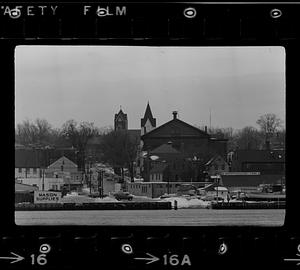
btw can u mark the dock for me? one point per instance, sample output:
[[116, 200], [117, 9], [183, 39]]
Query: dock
[[94, 206], [249, 205]]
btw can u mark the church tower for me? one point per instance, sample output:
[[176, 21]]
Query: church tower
[[121, 122], [148, 122]]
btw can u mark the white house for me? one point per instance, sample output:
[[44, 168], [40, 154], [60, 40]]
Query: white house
[[67, 170]]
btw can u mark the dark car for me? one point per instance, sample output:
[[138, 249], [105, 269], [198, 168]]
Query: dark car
[[123, 196]]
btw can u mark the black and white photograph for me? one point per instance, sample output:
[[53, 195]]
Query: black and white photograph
[[150, 135]]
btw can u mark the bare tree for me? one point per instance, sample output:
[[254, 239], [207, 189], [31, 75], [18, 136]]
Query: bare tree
[[120, 150], [78, 135], [269, 124], [34, 133], [248, 138]]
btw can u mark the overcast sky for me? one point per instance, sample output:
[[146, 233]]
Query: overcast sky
[[90, 83]]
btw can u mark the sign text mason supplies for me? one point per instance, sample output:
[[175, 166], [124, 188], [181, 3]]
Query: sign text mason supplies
[[47, 197]]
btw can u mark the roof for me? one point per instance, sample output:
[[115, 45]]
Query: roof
[[186, 187], [260, 155], [158, 168], [214, 187], [165, 149], [148, 115], [27, 158], [177, 122], [63, 159], [39, 158], [23, 187]]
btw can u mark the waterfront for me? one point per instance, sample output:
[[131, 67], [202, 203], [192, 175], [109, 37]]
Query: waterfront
[[180, 217]]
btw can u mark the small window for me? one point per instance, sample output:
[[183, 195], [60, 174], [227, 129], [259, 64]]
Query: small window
[[20, 170], [34, 170]]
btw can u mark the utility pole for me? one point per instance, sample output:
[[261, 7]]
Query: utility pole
[[100, 183], [43, 185], [102, 180], [90, 178], [217, 189], [98, 179]]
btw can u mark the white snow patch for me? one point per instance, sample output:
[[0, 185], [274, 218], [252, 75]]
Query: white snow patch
[[105, 199], [187, 202], [69, 198]]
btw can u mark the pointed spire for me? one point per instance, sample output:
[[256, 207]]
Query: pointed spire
[[148, 115]]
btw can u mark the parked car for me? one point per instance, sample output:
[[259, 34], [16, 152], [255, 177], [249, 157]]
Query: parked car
[[121, 195]]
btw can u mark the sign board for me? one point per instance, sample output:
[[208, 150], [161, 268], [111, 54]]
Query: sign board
[[240, 173], [47, 197]]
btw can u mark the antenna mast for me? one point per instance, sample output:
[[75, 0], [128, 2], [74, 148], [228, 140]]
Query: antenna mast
[[210, 119]]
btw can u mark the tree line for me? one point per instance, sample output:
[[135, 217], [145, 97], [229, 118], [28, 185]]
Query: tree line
[[270, 130], [119, 149]]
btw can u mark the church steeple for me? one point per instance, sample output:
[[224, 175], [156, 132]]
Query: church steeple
[[148, 122], [121, 121]]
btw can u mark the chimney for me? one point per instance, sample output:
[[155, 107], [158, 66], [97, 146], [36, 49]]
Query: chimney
[[174, 114], [205, 128]]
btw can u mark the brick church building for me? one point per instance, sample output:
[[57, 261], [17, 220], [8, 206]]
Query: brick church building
[[176, 150]]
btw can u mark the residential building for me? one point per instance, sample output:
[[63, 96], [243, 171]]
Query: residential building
[[66, 169], [216, 165], [27, 163]]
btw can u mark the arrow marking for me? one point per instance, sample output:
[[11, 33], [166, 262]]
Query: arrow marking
[[294, 260], [17, 258], [150, 259]]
